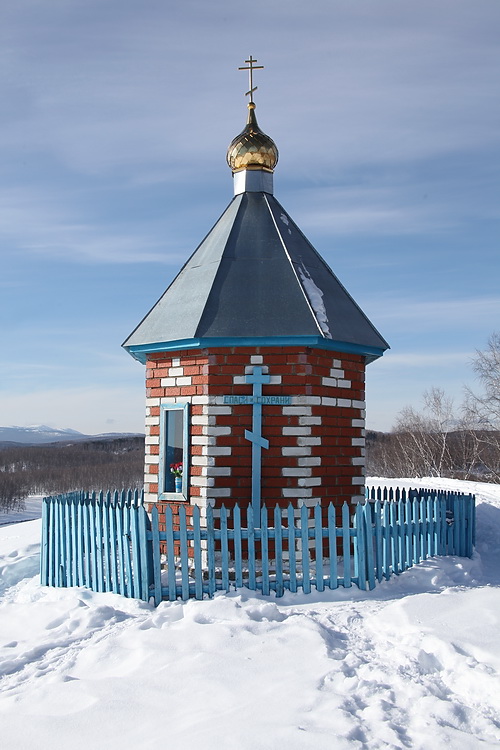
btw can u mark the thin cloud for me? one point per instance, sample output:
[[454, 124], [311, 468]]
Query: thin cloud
[[423, 359], [439, 313], [41, 224]]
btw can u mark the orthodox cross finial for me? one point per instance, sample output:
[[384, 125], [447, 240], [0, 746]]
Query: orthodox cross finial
[[251, 67]]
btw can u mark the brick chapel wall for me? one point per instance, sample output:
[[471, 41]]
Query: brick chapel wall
[[316, 450]]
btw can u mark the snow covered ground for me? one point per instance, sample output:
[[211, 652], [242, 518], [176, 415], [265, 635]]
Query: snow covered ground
[[413, 664]]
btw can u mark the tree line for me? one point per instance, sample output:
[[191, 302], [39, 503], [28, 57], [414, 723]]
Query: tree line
[[59, 467], [442, 440]]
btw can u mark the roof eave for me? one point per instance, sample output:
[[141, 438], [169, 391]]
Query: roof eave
[[140, 351]]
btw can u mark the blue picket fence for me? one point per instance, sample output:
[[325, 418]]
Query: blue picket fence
[[96, 540], [109, 543]]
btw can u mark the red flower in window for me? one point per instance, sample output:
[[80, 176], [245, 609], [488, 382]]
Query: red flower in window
[[176, 470]]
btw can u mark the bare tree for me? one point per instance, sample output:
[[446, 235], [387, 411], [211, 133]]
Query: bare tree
[[483, 409], [423, 437], [436, 441]]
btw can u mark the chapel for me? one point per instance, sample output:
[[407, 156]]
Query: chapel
[[255, 359]]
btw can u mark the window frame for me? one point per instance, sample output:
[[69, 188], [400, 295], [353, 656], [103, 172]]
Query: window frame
[[165, 409]]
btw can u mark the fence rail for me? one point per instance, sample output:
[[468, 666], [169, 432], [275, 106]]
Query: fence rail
[[109, 543]]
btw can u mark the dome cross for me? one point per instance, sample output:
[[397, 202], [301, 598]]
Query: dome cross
[[251, 67]]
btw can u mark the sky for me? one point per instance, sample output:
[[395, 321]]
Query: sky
[[116, 117]]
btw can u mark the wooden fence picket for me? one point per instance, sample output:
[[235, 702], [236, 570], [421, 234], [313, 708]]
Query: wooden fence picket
[[346, 545], [292, 547], [108, 543], [278, 551]]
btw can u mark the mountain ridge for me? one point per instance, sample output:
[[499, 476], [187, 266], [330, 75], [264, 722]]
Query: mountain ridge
[[39, 434]]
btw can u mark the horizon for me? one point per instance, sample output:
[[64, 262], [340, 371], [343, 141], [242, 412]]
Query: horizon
[[113, 144]]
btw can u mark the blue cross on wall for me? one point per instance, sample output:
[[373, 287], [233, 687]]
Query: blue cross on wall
[[257, 378]]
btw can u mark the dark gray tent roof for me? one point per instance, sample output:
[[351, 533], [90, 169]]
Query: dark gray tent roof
[[255, 276]]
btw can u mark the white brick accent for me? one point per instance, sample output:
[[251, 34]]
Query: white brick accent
[[336, 372], [216, 400], [175, 372], [359, 404], [152, 402], [358, 480], [358, 441], [291, 451], [219, 492], [311, 461], [309, 400], [275, 379], [310, 482], [327, 401], [337, 363], [152, 420], [202, 461], [293, 411], [297, 492], [358, 423], [296, 430], [151, 478], [200, 440], [183, 381], [201, 502], [152, 440], [344, 383], [256, 359], [202, 481], [200, 419], [219, 410], [217, 430], [200, 399], [359, 461], [309, 420], [176, 362], [345, 402], [167, 382], [300, 472], [175, 399], [216, 471], [150, 459], [308, 441], [221, 450], [329, 381], [239, 380]]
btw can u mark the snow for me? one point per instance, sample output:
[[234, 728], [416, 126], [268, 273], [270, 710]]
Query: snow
[[31, 509], [315, 297], [413, 664]]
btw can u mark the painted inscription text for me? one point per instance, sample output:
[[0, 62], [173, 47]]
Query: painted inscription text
[[278, 400]]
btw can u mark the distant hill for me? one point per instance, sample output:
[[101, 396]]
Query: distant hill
[[101, 463], [38, 434]]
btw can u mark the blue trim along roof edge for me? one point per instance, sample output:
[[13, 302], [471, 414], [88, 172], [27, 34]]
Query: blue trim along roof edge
[[139, 352]]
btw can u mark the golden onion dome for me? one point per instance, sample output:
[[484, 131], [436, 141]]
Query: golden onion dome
[[252, 149]]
